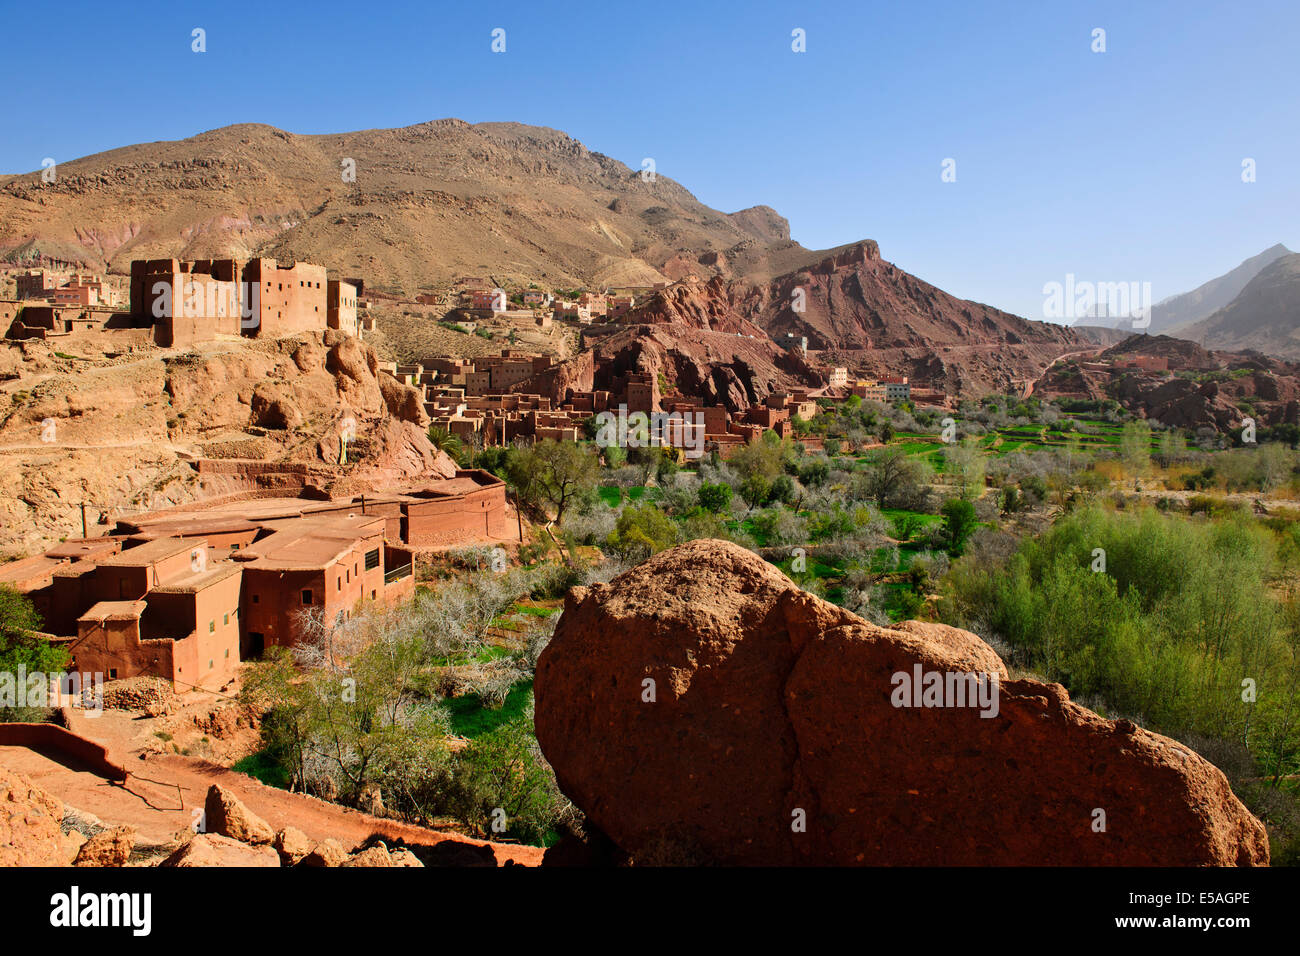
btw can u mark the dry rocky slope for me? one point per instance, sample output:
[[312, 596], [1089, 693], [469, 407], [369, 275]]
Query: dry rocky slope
[[691, 343], [428, 203], [127, 431], [880, 320], [771, 706], [37, 829], [1216, 390], [507, 203]]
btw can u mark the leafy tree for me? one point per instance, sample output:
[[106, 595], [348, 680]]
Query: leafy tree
[[553, 473], [959, 523], [21, 647], [667, 466], [640, 532], [755, 490], [503, 776], [715, 497], [763, 457], [782, 490], [615, 456]]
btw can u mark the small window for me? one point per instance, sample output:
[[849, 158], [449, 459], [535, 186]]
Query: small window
[[372, 559], [226, 618], [227, 653], [373, 594], [257, 599], [306, 596], [210, 664], [339, 583], [112, 673], [212, 626]]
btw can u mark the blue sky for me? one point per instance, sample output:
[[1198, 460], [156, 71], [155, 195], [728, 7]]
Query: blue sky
[[1117, 166]]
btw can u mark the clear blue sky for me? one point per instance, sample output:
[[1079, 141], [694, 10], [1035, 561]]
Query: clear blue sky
[[1115, 166]]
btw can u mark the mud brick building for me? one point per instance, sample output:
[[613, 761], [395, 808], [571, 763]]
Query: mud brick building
[[341, 305], [187, 593], [199, 301]]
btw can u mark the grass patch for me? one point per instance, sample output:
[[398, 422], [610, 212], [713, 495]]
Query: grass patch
[[265, 768], [469, 718]]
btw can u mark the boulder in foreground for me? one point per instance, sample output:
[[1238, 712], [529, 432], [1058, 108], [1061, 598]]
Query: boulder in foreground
[[701, 708]]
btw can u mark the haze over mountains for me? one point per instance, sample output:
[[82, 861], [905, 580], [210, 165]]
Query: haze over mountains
[[1264, 316], [1176, 311]]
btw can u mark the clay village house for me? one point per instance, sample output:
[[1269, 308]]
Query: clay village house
[[176, 304], [187, 593], [499, 399]]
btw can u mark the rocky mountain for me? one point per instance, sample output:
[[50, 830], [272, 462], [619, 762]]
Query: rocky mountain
[[870, 315], [1207, 389], [406, 208], [692, 344], [1175, 312], [417, 208], [1264, 317]]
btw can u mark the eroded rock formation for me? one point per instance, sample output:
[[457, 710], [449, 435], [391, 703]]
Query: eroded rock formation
[[703, 708]]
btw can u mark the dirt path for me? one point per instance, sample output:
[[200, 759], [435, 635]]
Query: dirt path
[[164, 791]]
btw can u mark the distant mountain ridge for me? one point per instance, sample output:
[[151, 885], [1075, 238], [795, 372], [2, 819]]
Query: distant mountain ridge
[[1173, 312], [1264, 317]]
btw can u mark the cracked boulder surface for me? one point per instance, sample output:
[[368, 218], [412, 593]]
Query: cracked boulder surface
[[702, 708]]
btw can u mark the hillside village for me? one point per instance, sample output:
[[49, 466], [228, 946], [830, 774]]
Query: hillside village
[[236, 479]]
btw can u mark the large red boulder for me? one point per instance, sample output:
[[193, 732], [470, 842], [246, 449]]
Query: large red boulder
[[702, 708]]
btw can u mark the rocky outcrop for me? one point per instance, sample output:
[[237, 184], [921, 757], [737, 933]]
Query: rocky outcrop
[[225, 814], [292, 844], [212, 849], [404, 402], [328, 853], [701, 708], [372, 856], [30, 834], [854, 299], [109, 848], [122, 434]]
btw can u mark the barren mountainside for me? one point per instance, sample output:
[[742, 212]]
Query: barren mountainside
[[505, 202], [405, 208]]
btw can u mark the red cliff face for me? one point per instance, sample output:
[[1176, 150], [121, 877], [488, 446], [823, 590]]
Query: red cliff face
[[876, 318], [701, 705]]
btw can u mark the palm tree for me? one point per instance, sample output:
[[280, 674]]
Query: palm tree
[[445, 441]]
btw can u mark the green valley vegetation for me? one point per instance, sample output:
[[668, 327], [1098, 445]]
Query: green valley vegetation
[[1189, 627], [424, 709], [23, 650]]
